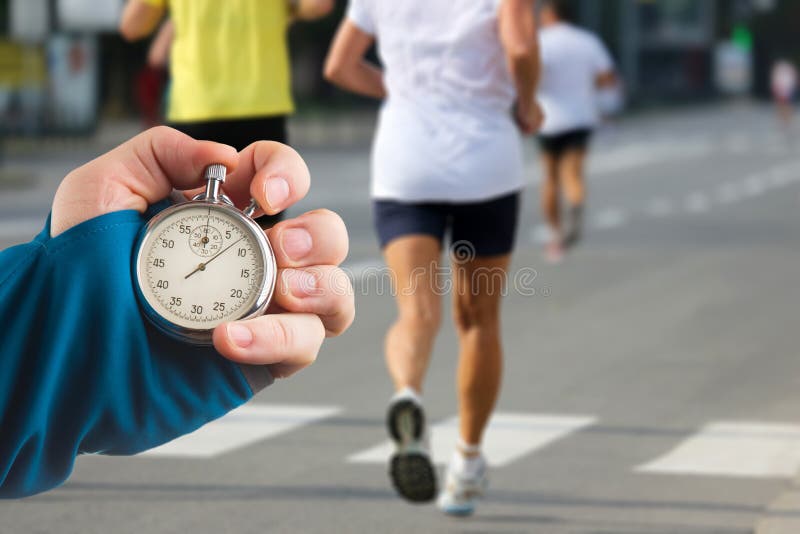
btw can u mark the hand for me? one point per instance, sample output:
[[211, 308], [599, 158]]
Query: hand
[[313, 298], [529, 117]]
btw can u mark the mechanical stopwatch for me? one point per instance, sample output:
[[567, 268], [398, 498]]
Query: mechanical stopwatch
[[203, 262]]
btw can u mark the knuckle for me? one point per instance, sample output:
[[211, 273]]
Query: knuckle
[[280, 334]]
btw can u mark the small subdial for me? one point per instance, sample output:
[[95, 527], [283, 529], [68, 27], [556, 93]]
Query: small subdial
[[205, 241]]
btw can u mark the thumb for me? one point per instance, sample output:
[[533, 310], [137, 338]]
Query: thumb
[[134, 175]]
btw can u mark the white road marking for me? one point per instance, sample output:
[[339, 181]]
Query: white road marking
[[241, 427], [697, 203], [728, 194], [734, 449], [509, 437], [779, 177], [738, 143], [634, 155], [541, 234], [754, 185], [659, 207], [610, 218]]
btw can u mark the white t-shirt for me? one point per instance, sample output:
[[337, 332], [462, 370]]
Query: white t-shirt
[[572, 59], [445, 132]]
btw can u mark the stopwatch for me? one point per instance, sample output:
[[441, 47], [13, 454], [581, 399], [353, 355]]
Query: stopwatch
[[203, 262]]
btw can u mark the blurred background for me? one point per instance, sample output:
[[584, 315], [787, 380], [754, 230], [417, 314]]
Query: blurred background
[[64, 69], [652, 383]]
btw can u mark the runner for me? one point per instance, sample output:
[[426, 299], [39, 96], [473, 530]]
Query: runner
[[446, 160], [233, 88], [784, 86], [574, 65]]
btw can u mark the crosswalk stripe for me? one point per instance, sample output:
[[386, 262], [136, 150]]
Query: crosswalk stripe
[[734, 449], [509, 437], [241, 427], [610, 218], [697, 203]]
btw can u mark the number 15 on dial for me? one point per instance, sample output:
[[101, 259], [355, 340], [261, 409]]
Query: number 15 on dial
[[202, 263]]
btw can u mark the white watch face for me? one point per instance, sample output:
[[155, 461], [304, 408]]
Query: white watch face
[[201, 266]]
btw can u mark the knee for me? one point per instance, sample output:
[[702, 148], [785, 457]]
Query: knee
[[551, 179], [472, 314], [422, 317]]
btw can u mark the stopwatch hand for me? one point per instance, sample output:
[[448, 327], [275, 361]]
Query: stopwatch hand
[[202, 266]]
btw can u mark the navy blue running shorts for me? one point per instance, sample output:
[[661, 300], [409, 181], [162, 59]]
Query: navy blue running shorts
[[490, 226], [557, 144]]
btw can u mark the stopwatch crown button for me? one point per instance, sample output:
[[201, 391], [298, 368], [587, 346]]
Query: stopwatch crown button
[[216, 171]]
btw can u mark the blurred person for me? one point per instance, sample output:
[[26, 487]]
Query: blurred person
[[784, 86], [457, 84], [83, 371], [152, 81], [229, 64], [159, 51], [575, 64]]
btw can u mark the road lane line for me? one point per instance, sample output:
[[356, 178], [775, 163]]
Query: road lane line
[[659, 207], [754, 185], [734, 449], [610, 218], [728, 193], [541, 234], [697, 203], [243, 426], [510, 436]]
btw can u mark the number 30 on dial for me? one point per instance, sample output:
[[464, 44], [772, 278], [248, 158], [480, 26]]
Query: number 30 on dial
[[200, 264]]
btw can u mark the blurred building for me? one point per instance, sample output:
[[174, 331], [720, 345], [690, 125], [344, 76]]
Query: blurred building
[[684, 50], [63, 67]]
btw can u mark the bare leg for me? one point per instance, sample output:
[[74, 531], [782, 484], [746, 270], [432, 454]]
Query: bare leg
[[570, 169], [413, 261], [571, 172], [478, 286], [550, 195]]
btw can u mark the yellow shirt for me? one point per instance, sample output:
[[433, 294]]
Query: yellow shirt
[[229, 59]]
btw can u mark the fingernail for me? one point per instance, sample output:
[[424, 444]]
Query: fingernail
[[240, 335], [301, 283], [296, 243], [277, 192]]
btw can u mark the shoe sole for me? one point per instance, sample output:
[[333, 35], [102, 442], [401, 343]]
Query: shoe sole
[[413, 476], [410, 468]]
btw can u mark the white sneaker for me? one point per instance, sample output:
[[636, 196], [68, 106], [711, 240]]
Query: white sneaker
[[410, 468], [464, 485]]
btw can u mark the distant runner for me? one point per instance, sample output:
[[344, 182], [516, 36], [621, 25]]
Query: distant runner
[[446, 163], [575, 64], [784, 87]]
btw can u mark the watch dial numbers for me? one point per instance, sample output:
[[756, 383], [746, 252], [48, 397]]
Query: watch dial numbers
[[202, 267]]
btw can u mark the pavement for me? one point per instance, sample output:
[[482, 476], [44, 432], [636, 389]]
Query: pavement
[[652, 382]]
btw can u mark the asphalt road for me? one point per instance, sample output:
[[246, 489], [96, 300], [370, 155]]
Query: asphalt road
[[652, 381]]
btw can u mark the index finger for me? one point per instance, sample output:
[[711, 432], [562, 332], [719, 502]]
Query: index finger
[[161, 158], [272, 173], [136, 174]]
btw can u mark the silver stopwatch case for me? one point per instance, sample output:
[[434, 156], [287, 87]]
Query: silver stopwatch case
[[215, 176]]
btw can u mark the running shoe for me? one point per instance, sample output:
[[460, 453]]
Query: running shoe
[[574, 226], [463, 489], [554, 252], [410, 468]]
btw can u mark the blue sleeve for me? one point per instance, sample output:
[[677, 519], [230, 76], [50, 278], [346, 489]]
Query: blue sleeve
[[81, 370]]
